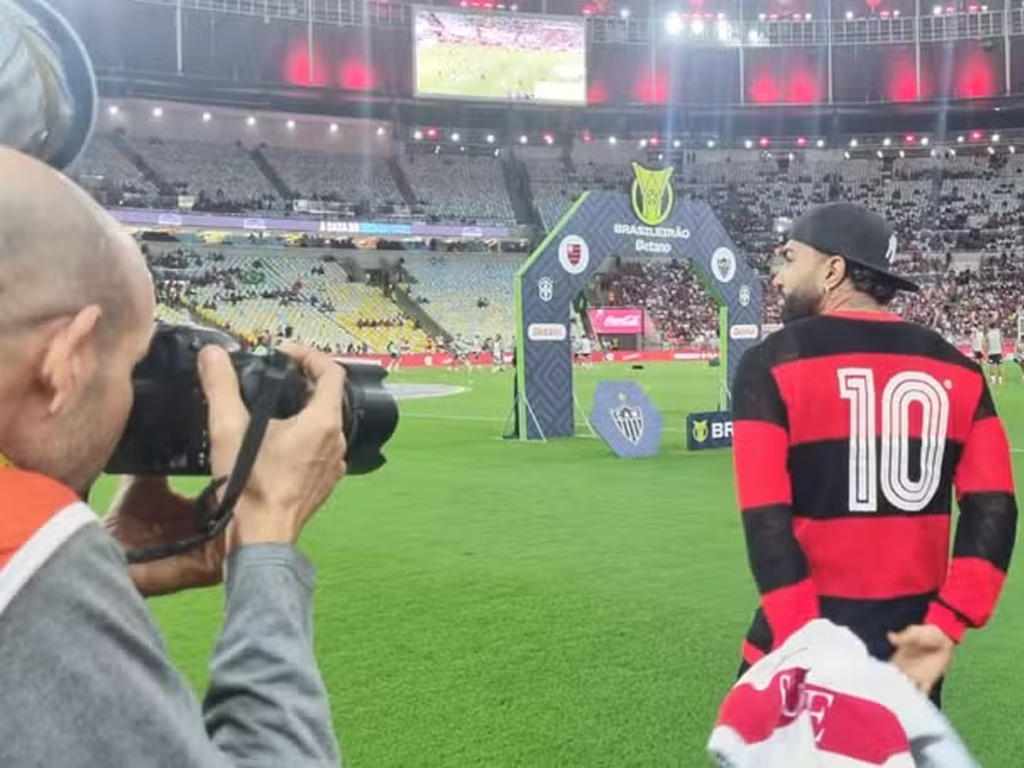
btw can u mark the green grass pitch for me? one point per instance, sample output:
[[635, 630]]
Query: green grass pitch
[[486, 72], [482, 603]]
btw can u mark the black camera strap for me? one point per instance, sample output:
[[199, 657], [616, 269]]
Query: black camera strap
[[212, 518]]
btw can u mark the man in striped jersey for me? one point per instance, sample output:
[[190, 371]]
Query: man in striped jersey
[[851, 430]]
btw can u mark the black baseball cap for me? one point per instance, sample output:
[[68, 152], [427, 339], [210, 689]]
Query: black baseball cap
[[852, 231]]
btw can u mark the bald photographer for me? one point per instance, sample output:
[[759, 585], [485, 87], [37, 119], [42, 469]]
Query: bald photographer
[[85, 675]]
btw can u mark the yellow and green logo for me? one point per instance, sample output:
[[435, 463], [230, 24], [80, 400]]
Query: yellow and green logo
[[651, 194], [700, 430]]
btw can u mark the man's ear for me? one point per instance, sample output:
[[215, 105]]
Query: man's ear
[[835, 272], [71, 357]]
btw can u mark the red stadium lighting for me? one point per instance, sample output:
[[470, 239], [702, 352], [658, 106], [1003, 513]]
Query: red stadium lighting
[[654, 141], [801, 142], [909, 138], [976, 135], [549, 139], [587, 138], [431, 133], [763, 141]]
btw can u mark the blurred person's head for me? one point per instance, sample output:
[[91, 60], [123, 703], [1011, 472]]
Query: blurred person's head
[[76, 315], [838, 255]]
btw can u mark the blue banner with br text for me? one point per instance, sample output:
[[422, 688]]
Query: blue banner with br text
[[708, 429]]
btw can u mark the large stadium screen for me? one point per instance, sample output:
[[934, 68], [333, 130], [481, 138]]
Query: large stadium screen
[[497, 56]]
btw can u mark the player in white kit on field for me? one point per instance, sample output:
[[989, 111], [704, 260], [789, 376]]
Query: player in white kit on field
[[994, 339], [586, 351], [978, 345], [498, 353]]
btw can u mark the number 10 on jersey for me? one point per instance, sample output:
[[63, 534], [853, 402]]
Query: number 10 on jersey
[[891, 471]]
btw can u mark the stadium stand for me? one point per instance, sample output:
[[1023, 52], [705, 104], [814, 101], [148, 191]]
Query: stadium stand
[[958, 219], [356, 180], [469, 190], [466, 294]]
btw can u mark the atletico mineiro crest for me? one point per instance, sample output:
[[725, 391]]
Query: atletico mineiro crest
[[629, 420]]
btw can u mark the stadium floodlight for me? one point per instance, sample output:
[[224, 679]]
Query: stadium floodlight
[[456, 137], [673, 24], [846, 155], [417, 135], [158, 111], [960, 139], [250, 121], [334, 129], [523, 139], [849, 15], [723, 31], [676, 144], [853, 143], [642, 143], [490, 138], [879, 154], [902, 154], [697, 27], [624, 13], [995, 138], [753, 37], [1012, 149], [924, 141], [207, 117], [991, 150], [113, 109], [937, 10], [820, 143], [952, 152], [291, 125], [381, 130], [748, 144], [612, 140], [886, 141], [711, 143]]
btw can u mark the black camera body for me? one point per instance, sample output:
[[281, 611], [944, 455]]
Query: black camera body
[[167, 432]]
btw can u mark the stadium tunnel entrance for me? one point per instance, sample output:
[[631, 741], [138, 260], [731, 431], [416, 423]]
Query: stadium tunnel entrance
[[599, 225]]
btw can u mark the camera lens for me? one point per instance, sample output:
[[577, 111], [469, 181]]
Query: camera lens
[[370, 416]]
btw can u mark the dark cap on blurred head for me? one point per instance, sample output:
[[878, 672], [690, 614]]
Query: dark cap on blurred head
[[852, 231]]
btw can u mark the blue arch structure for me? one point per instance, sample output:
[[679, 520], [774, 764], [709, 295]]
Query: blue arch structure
[[600, 225]]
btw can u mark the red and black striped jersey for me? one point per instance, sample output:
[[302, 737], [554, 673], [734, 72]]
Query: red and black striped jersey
[[851, 432]]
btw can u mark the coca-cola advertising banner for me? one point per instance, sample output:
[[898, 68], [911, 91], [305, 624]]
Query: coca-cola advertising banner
[[617, 320]]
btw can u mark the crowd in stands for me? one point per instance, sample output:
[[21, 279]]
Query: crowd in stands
[[959, 222]]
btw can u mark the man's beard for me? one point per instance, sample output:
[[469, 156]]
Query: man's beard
[[797, 307]]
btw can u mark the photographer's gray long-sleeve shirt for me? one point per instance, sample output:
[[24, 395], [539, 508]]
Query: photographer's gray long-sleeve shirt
[[85, 680]]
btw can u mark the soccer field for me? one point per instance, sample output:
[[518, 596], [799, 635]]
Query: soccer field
[[487, 72], [483, 603]]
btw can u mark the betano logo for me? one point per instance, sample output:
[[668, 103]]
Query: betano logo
[[651, 194]]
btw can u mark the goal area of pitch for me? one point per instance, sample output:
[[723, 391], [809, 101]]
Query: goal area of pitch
[[647, 222]]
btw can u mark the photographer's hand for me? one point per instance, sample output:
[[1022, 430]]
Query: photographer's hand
[[300, 460], [146, 512]]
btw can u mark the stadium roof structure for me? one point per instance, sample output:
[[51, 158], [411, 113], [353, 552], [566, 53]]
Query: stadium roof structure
[[832, 120]]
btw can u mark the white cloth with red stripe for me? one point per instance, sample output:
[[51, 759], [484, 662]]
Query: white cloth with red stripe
[[820, 701]]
